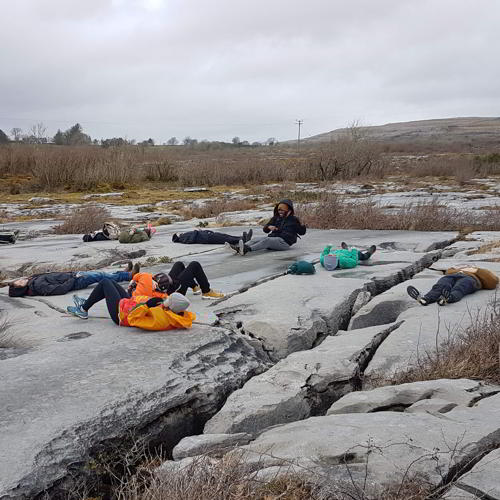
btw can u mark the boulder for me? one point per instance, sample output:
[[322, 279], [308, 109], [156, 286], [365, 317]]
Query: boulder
[[209, 444]]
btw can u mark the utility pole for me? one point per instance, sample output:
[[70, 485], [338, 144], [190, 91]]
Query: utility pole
[[299, 123]]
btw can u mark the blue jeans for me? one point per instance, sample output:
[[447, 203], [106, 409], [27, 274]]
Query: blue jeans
[[458, 284], [86, 278]]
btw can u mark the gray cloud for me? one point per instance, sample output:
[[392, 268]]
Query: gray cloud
[[219, 68]]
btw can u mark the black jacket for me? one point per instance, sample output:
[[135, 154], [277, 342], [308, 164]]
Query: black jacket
[[288, 227], [51, 284]]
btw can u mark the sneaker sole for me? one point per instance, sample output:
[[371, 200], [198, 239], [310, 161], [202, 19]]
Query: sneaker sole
[[212, 298]]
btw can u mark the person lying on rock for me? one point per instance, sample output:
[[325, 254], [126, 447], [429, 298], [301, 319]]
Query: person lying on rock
[[59, 283], [7, 237], [207, 237], [457, 282], [110, 231], [283, 228], [179, 279], [136, 234], [344, 257], [141, 311]]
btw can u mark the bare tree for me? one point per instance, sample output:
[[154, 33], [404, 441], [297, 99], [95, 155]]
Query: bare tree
[[16, 133], [38, 133], [172, 141]]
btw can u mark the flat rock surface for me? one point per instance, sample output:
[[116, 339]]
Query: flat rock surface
[[72, 384], [397, 443]]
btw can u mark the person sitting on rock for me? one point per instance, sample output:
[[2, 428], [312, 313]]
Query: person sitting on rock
[[345, 257], [283, 228], [207, 237], [59, 283], [147, 313], [179, 279], [136, 234], [457, 282]]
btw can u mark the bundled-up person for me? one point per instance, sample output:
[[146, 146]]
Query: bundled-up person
[[457, 282], [283, 229], [8, 236], [59, 283], [179, 279], [110, 231], [136, 234], [207, 237], [344, 257], [146, 313]]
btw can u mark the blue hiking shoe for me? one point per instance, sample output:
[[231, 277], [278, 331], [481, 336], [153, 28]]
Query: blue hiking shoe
[[78, 311], [79, 301]]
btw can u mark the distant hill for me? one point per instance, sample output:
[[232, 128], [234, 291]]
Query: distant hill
[[446, 131]]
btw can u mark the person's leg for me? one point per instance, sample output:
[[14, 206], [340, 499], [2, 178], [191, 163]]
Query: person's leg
[[267, 243], [176, 270], [366, 254], [444, 283], [193, 272], [87, 278], [112, 292], [464, 285]]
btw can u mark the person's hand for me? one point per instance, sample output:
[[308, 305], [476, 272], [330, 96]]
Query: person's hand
[[273, 228], [154, 301]]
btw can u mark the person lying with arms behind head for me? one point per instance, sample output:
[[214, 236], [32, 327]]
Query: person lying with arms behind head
[[146, 313]]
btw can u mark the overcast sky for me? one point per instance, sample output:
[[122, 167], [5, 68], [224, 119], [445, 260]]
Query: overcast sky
[[215, 69]]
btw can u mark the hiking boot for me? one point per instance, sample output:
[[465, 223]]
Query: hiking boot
[[372, 249], [213, 295], [78, 311], [231, 248], [196, 290], [79, 301], [415, 294], [128, 266], [242, 248], [136, 269], [445, 296], [344, 246]]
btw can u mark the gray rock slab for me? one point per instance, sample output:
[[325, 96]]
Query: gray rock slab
[[303, 384], [483, 480], [63, 398], [435, 405], [456, 493], [461, 391], [209, 444], [396, 443]]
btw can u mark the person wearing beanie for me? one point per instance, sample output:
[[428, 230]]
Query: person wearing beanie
[[283, 229], [344, 257], [141, 311]]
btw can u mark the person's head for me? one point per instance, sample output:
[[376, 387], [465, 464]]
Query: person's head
[[18, 288], [163, 280], [284, 208], [330, 262], [177, 302]]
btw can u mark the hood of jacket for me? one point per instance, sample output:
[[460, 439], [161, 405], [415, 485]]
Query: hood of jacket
[[286, 202]]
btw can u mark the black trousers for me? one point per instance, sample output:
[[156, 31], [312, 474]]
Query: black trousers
[[112, 292], [188, 277], [364, 255]]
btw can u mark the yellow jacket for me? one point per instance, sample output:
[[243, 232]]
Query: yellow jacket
[[135, 312]]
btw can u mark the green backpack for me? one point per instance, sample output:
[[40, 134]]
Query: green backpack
[[301, 267]]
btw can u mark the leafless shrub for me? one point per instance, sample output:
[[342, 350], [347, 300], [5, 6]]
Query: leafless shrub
[[473, 353], [335, 211], [7, 339], [216, 207], [84, 220]]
